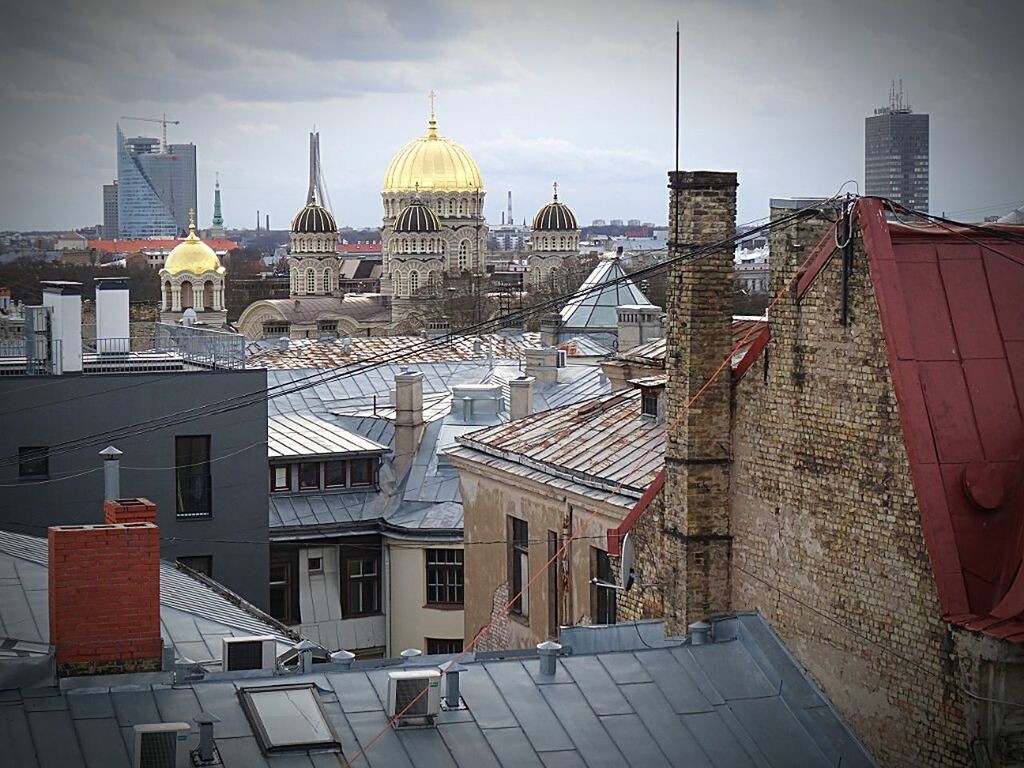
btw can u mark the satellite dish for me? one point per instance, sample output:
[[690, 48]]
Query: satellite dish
[[626, 558]]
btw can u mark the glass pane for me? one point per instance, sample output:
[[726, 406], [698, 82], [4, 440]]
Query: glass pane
[[291, 717], [280, 477], [334, 473], [362, 471], [309, 475]]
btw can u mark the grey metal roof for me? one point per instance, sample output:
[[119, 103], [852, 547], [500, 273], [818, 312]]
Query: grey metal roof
[[595, 309], [738, 702], [295, 435], [325, 513], [602, 443], [193, 616]]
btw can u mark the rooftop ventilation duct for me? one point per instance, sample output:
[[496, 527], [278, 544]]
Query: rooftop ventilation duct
[[699, 632], [206, 753], [548, 651]]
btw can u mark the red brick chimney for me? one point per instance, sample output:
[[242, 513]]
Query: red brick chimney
[[104, 583]]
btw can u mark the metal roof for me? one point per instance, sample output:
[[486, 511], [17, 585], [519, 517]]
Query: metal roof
[[596, 308], [603, 443], [295, 435], [193, 616], [952, 313], [738, 702]]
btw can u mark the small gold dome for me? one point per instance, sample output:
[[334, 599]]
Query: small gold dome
[[192, 255], [434, 163]]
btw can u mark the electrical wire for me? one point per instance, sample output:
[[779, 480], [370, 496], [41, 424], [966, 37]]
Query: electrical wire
[[256, 396]]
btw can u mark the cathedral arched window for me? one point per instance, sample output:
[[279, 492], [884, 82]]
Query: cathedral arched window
[[327, 281], [414, 282], [537, 277], [462, 207], [399, 283], [310, 281], [208, 294], [434, 281], [451, 207], [186, 295], [167, 295], [561, 243]]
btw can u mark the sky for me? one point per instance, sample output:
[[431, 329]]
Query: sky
[[578, 91]]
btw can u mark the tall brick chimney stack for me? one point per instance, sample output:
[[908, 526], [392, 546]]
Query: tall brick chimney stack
[[702, 210], [104, 601]]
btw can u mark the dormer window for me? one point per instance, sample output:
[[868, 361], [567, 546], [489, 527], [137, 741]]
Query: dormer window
[[649, 403]]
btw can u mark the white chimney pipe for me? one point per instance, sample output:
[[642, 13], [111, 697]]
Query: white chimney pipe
[[65, 302], [111, 473], [520, 397], [112, 325]]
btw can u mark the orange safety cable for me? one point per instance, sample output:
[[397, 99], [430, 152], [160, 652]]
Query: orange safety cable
[[593, 513]]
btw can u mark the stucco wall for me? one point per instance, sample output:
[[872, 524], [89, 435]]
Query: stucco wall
[[412, 621], [487, 500]]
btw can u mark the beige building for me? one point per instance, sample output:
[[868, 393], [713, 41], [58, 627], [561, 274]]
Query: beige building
[[531, 484]]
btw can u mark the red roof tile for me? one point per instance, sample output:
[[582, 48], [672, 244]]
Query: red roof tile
[[155, 244]]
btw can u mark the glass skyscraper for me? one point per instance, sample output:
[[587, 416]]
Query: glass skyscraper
[[155, 189], [896, 154]]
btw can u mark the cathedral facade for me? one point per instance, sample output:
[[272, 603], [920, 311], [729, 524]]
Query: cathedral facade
[[433, 226], [554, 242]]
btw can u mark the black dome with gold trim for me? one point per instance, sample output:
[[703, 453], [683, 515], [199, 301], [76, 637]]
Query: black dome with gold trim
[[314, 219], [417, 218], [555, 217]]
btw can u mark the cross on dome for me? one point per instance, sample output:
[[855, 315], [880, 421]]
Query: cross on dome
[[554, 186]]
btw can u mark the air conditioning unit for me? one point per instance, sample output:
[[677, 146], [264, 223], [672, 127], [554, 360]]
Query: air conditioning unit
[[257, 652], [405, 686], [162, 745]]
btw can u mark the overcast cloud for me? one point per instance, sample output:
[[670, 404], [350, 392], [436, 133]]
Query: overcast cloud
[[578, 91]]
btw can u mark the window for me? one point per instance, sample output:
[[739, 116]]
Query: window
[[284, 585], [200, 563], [554, 578], [34, 461], [414, 281], [287, 718], [518, 566], [315, 564], [360, 594], [444, 577], [309, 475], [649, 403], [192, 473], [602, 599], [327, 281], [439, 647], [280, 477], [335, 474], [310, 281], [363, 471]]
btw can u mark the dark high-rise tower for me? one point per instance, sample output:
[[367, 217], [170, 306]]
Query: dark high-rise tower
[[896, 153]]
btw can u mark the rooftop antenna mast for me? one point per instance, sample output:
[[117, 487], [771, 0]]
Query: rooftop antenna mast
[[677, 95]]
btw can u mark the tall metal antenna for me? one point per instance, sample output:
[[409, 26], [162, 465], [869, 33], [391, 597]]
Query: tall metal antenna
[[677, 95]]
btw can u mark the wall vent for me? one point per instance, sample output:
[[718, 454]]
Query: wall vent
[[240, 653], [403, 689], [162, 745]]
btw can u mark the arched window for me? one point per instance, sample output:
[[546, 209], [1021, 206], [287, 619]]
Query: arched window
[[208, 294], [327, 281], [451, 207], [167, 295], [434, 281], [463, 262], [186, 295], [414, 282], [462, 207], [310, 281], [537, 277], [399, 284], [444, 246], [561, 243]]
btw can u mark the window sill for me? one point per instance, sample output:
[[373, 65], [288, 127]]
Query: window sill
[[445, 606], [519, 618], [193, 516], [346, 616]]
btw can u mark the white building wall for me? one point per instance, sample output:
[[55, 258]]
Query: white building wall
[[412, 622]]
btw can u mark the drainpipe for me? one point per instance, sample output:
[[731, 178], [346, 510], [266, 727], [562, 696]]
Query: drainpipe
[[386, 546]]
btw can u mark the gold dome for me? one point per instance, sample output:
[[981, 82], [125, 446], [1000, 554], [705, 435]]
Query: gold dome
[[192, 255], [433, 163]]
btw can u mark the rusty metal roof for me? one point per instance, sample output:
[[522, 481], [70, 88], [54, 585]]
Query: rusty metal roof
[[603, 443]]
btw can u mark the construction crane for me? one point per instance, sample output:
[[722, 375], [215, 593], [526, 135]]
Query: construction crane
[[164, 122]]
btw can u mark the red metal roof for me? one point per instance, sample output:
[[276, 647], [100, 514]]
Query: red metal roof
[[154, 244], [952, 310], [360, 248]]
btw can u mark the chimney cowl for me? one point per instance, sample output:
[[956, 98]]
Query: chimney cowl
[[699, 632], [548, 651]]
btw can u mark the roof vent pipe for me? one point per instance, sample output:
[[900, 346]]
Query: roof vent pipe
[[343, 659], [205, 721], [548, 652], [111, 473], [411, 653], [451, 670], [305, 649], [700, 633]]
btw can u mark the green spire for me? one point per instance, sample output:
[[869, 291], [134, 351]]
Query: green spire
[[218, 220]]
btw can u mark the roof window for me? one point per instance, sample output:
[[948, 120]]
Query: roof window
[[287, 718]]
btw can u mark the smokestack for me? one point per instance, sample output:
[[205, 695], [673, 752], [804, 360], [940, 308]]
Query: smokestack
[[520, 397], [65, 302], [408, 416], [112, 322], [268, 222], [257, 220], [104, 594], [510, 207]]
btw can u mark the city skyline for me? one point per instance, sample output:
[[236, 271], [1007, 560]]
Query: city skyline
[[578, 93]]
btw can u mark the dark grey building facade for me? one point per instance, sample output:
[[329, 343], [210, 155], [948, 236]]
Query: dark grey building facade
[[207, 475], [896, 162], [110, 231]]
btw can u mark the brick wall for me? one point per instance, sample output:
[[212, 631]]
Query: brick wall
[[128, 511], [104, 598], [827, 535]]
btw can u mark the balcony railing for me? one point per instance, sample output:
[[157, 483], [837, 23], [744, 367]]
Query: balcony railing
[[39, 357]]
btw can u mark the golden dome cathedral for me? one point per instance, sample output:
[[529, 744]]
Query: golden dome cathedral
[[433, 163], [192, 255]]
